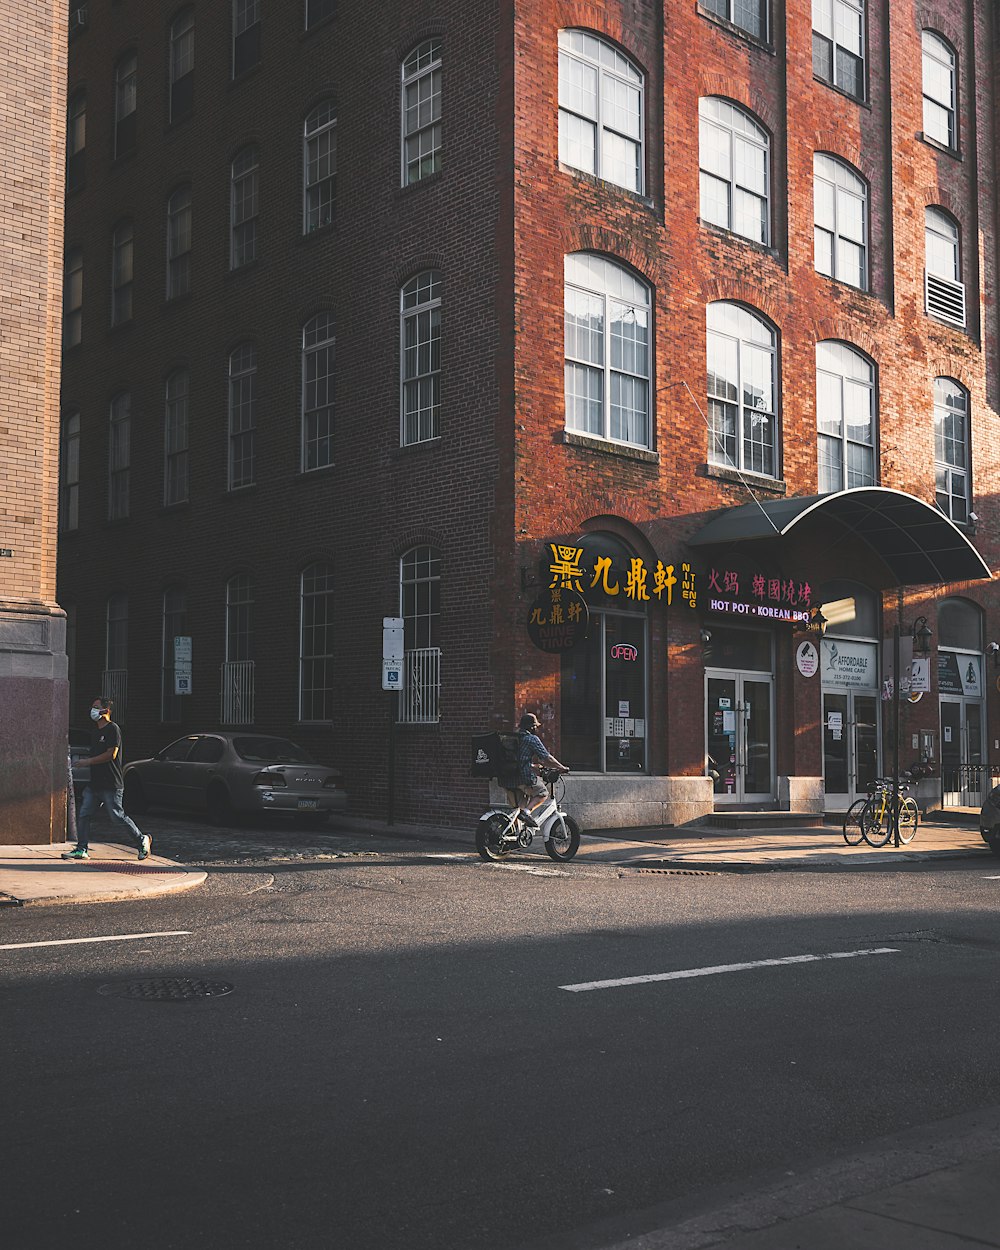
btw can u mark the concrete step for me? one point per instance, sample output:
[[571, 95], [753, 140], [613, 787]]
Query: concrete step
[[750, 821]]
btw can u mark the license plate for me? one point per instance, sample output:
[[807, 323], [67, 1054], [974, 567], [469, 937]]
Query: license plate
[[307, 805]]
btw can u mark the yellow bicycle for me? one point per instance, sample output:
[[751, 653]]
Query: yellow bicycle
[[872, 818]]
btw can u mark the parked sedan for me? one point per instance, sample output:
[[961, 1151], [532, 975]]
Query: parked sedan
[[228, 773]]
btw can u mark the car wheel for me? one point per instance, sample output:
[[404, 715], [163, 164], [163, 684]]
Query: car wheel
[[220, 810], [135, 797], [992, 837]]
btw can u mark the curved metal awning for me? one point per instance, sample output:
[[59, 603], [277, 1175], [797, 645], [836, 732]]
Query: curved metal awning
[[916, 541]]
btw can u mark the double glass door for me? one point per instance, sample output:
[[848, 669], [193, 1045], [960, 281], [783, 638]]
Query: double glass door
[[740, 736], [850, 745], [962, 774]]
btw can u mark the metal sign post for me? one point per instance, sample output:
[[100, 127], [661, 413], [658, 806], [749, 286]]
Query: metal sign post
[[392, 680]]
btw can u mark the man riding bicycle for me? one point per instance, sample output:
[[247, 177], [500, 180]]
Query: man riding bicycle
[[531, 789]]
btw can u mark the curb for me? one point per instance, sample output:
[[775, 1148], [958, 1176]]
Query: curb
[[188, 880], [799, 865]]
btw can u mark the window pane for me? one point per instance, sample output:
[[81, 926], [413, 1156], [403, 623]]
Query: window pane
[[584, 399], [750, 216], [577, 142], [584, 326], [577, 86], [715, 200], [620, 161]]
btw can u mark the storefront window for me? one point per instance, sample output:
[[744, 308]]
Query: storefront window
[[604, 679]]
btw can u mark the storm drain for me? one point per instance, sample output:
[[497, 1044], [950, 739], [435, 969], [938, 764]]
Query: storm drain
[[166, 989], [678, 872]]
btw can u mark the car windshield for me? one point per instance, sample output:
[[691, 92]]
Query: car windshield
[[270, 751]]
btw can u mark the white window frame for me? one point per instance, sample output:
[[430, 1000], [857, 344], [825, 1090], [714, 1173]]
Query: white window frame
[[724, 131], [753, 337], [944, 291], [179, 242], [937, 53], [318, 381], [73, 299], [242, 424], [584, 57], [854, 375], [244, 206], [119, 455], [420, 358], [729, 11], [598, 287], [69, 492], [319, 656], [122, 273], [831, 19], [952, 458], [176, 478], [319, 167], [844, 187], [420, 112]]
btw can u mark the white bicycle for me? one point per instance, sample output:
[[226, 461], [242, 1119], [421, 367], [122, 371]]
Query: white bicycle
[[501, 829]]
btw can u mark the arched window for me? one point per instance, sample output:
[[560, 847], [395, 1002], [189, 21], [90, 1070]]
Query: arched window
[[316, 648], [319, 165], [600, 110], [317, 391], [420, 608], [420, 108], [175, 438], [122, 246], [845, 417], [126, 77], [945, 291], [179, 243], [420, 357], [244, 206], [939, 89], [181, 65], [242, 415], [607, 343], [734, 156], [840, 200], [742, 373], [951, 449]]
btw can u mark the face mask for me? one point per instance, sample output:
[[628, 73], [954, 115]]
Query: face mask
[[96, 713]]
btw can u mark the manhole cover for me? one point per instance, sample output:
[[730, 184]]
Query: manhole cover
[[166, 989]]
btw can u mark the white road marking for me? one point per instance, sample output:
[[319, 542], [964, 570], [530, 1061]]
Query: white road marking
[[117, 937], [686, 973], [991, 878]]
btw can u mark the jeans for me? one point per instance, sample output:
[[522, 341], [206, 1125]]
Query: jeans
[[112, 800]]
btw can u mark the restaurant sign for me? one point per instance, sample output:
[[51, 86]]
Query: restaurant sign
[[558, 620], [758, 596], [615, 577]]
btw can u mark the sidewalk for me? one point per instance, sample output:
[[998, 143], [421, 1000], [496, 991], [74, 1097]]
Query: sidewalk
[[38, 874]]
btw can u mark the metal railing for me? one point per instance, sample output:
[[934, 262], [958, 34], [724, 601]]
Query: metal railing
[[114, 686], [237, 693], [967, 785], [419, 700]]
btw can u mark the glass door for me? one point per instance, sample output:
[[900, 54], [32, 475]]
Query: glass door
[[740, 736], [962, 752], [850, 746]]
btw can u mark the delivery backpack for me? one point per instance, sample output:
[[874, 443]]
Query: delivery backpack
[[495, 755]]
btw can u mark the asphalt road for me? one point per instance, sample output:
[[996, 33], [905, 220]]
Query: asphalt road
[[398, 1063]]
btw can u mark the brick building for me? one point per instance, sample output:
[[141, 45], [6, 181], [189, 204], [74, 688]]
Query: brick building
[[32, 626], [679, 320]]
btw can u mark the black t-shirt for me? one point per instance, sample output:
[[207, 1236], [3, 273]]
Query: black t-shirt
[[106, 776]]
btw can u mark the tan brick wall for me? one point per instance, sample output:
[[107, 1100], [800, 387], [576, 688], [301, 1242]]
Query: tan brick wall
[[32, 136]]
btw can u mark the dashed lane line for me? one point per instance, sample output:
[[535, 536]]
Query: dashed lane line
[[684, 974]]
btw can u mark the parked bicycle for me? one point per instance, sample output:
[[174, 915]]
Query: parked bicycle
[[873, 818]]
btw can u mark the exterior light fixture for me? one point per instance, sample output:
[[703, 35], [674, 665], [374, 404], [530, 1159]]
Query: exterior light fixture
[[921, 635], [706, 636], [994, 650]]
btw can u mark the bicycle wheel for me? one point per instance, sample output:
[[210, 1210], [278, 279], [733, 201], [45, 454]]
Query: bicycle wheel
[[909, 818], [877, 825], [491, 837], [852, 822]]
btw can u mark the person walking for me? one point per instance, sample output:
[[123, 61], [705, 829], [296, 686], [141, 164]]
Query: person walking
[[106, 785]]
